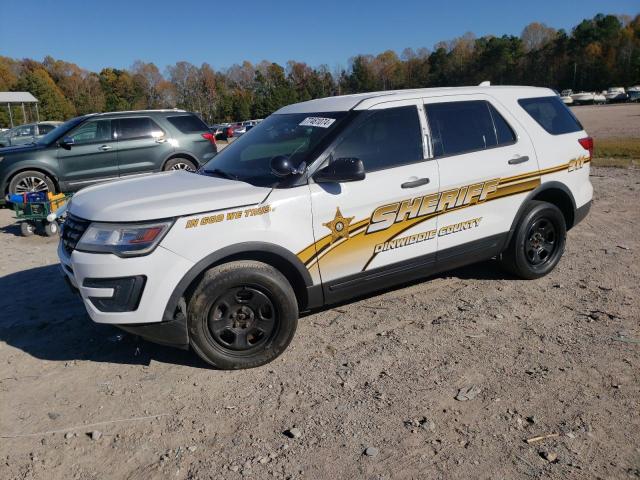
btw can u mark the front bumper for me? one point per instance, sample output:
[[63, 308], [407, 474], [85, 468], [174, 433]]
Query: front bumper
[[99, 277]]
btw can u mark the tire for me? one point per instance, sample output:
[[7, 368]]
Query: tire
[[223, 315], [51, 229], [538, 242], [31, 181], [27, 229], [180, 164]]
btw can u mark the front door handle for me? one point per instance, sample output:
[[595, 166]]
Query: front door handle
[[161, 140], [415, 183], [517, 160], [104, 148]]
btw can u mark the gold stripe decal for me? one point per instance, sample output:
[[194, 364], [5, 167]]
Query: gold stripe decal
[[349, 241]]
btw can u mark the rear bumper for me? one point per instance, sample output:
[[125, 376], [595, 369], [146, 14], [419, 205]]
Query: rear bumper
[[581, 213]]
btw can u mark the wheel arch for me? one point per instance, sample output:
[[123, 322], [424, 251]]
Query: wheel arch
[[557, 194], [180, 154], [278, 257]]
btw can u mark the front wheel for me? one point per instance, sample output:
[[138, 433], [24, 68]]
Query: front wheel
[[31, 181], [242, 314], [538, 242], [51, 229]]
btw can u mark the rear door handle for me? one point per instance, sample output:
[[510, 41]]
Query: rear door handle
[[104, 148], [415, 183], [517, 160]]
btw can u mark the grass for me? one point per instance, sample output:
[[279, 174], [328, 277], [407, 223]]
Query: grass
[[617, 152]]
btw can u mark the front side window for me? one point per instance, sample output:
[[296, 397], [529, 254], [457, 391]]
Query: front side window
[[551, 114], [92, 132], [138, 127], [384, 139], [468, 126], [298, 136]]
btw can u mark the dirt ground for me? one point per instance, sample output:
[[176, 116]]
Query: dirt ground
[[367, 390], [610, 121]]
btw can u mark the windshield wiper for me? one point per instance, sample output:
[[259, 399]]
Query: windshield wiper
[[219, 173]]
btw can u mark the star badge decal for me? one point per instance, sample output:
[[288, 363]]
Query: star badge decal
[[339, 226]]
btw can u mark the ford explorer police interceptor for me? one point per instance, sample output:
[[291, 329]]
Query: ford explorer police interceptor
[[323, 201]]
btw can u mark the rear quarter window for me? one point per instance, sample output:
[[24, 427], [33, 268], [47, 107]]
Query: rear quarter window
[[188, 124], [551, 114]]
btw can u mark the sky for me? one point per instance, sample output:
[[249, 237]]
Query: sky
[[115, 33]]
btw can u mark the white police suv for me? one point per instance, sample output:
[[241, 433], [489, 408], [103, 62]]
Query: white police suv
[[323, 201]]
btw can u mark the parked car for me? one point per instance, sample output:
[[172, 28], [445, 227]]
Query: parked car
[[107, 146], [325, 201], [223, 131], [27, 133]]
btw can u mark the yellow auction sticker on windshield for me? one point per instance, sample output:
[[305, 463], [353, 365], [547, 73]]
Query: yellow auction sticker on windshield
[[317, 122]]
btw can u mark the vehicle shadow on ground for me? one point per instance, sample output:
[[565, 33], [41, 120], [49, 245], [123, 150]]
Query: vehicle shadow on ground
[[486, 270], [42, 317], [13, 229]]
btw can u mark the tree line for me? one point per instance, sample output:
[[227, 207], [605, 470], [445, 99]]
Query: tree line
[[598, 53]]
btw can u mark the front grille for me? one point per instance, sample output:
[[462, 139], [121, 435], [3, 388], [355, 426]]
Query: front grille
[[72, 230]]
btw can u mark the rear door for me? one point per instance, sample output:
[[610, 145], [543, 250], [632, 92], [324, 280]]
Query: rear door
[[487, 166], [375, 227], [193, 137], [91, 158], [142, 145]]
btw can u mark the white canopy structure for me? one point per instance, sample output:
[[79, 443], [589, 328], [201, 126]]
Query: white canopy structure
[[21, 98]]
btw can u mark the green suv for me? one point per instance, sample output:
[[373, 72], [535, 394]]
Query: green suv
[[107, 146]]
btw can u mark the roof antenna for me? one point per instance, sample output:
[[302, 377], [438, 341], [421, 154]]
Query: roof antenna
[[486, 83]]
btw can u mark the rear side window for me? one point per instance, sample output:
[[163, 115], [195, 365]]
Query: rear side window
[[462, 127], [387, 138], [138, 127], [188, 124], [551, 114]]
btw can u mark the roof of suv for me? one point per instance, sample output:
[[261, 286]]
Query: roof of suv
[[139, 112], [362, 101]]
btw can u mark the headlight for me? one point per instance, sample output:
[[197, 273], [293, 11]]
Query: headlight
[[123, 239]]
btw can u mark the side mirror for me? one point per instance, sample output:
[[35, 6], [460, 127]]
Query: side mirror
[[341, 170], [67, 143]]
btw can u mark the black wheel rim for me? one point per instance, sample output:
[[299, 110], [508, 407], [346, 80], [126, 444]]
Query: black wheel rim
[[241, 319], [541, 243]]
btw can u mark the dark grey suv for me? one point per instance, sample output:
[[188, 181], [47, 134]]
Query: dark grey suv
[[107, 146]]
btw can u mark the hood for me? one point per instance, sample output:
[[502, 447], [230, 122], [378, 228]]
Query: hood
[[22, 148], [162, 195]]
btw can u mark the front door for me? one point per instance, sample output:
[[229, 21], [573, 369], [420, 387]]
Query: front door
[[374, 228], [142, 145], [487, 166], [91, 158]]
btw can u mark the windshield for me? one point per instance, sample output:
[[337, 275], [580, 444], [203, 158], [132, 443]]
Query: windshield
[[59, 131], [296, 136]]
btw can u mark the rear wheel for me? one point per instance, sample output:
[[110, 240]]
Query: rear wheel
[[242, 314], [538, 242], [31, 181], [180, 164]]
